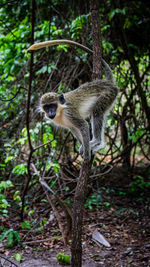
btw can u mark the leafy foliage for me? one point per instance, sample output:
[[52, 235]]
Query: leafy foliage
[[12, 237], [3, 202], [94, 201]]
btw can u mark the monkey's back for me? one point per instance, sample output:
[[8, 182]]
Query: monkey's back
[[94, 88], [84, 98]]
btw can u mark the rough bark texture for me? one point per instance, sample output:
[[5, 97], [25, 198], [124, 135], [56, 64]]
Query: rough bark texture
[[97, 42], [78, 214]]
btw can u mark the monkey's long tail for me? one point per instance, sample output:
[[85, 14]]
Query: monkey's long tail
[[106, 68]]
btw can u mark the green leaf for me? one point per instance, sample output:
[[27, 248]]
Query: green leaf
[[63, 258], [18, 257], [2, 196], [107, 204], [5, 185], [16, 235], [20, 169], [26, 225], [8, 159], [16, 196], [116, 11], [4, 204], [48, 166], [4, 234], [10, 239], [31, 212], [63, 46], [67, 188]]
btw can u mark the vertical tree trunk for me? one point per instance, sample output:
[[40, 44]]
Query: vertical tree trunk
[[78, 205], [97, 42], [81, 187]]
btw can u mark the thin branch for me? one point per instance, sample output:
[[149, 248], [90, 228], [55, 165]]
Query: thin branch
[[5, 100], [102, 173], [36, 241], [6, 259], [29, 174]]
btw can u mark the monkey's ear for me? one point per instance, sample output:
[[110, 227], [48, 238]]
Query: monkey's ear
[[62, 99]]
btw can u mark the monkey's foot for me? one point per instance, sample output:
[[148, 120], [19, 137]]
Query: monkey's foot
[[97, 147], [82, 153]]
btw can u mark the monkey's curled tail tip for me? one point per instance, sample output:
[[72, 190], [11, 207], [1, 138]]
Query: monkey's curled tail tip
[[36, 46], [33, 47]]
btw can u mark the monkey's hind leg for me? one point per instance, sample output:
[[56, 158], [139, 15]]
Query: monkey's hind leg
[[98, 124]]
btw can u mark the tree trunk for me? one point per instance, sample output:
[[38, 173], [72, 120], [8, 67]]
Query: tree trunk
[[78, 205], [97, 42]]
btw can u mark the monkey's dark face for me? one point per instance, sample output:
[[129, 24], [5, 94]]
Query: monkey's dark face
[[50, 109]]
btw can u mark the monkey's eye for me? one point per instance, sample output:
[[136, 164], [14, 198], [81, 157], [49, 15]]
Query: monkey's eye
[[62, 99], [47, 107]]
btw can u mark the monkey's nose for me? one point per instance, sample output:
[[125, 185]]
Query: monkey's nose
[[51, 116]]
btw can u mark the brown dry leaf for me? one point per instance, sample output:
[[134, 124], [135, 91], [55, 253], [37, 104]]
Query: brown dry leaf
[[6, 252], [126, 235], [53, 242], [47, 243]]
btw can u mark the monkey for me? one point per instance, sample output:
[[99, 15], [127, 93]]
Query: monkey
[[91, 100]]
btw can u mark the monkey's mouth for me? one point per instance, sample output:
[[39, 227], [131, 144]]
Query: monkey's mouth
[[51, 117]]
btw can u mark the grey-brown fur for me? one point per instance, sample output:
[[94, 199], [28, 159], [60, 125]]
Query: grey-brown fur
[[49, 97]]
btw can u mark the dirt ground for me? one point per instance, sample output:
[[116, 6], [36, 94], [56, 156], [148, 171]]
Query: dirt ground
[[123, 220]]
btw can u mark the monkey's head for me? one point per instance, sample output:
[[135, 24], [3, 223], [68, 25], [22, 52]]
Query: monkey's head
[[49, 104]]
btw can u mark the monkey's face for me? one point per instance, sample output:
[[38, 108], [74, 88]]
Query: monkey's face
[[51, 104], [50, 109]]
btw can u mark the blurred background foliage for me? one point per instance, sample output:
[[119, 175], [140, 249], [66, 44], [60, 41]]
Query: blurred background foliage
[[126, 47]]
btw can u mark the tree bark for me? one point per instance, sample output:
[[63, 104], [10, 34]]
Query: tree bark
[[78, 205], [97, 42]]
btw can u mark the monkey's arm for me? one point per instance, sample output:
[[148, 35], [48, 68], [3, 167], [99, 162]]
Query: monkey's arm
[[81, 132], [85, 148], [76, 134]]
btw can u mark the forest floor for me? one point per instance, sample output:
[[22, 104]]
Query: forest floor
[[123, 220]]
